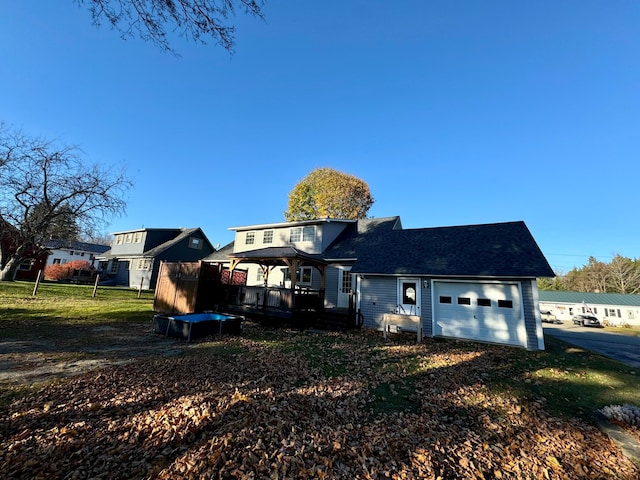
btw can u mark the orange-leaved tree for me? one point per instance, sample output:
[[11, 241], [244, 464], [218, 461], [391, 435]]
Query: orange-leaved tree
[[328, 193]]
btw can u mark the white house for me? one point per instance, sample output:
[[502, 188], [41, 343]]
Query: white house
[[615, 309], [64, 251], [475, 282]]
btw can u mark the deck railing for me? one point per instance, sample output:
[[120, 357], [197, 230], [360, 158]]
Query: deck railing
[[277, 298]]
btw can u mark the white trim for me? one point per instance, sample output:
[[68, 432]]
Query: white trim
[[418, 294], [536, 309]]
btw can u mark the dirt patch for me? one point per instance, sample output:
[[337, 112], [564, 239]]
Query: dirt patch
[[36, 359]]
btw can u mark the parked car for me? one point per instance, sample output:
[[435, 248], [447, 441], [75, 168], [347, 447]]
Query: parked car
[[548, 317], [586, 321]]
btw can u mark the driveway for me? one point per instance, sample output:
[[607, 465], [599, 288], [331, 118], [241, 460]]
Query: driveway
[[623, 348]]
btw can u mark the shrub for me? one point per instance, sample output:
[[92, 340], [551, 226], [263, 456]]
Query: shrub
[[60, 271]]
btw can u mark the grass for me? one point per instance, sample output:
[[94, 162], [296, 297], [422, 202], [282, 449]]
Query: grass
[[632, 331], [567, 380], [56, 305], [570, 380]]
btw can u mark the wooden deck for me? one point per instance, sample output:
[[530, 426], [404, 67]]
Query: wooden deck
[[303, 309]]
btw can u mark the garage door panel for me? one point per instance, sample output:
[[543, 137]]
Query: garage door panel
[[492, 321]]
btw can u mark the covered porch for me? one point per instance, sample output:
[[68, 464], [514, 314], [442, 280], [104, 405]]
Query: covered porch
[[294, 302]]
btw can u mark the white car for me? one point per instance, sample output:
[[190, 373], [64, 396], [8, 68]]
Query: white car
[[548, 317]]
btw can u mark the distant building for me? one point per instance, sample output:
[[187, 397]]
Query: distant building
[[135, 255], [614, 309], [63, 251]]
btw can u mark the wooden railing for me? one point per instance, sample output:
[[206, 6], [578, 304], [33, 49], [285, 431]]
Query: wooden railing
[[277, 298]]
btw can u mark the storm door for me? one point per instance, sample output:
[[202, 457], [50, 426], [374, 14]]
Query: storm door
[[409, 296], [345, 286]]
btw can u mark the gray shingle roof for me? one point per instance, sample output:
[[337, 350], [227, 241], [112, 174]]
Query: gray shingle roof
[[489, 250], [73, 245], [220, 255], [361, 236]]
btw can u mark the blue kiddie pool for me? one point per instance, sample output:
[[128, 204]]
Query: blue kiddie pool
[[197, 325]]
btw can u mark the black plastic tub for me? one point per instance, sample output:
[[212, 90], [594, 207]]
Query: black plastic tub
[[197, 325]]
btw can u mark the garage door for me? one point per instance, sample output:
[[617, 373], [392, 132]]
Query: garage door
[[490, 312]]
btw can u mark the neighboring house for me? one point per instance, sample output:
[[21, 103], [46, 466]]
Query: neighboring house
[[135, 255], [63, 251], [474, 282], [616, 309], [29, 268]]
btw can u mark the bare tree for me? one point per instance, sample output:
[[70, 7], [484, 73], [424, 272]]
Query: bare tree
[[197, 20], [43, 184], [624, 275], [592, 277]]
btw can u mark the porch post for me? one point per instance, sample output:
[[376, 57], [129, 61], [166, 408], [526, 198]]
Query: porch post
[[293, 268]]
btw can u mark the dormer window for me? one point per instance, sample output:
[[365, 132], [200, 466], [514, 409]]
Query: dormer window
[[195, 243], [302, 234], [250, 238]]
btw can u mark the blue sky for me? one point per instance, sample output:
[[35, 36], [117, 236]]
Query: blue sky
[[454, 112]]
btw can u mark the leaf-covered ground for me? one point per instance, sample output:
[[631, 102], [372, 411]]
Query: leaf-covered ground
[[280, 404]]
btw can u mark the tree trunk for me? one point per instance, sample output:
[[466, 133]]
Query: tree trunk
[[8, 272]]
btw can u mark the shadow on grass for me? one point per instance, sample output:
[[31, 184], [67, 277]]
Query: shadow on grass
[[267, 402]]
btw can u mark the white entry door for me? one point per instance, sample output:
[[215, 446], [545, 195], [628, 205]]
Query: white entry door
[[345, 286], [409, 299]]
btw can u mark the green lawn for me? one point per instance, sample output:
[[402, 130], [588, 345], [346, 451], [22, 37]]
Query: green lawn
[[279, 402], [572, 381], [64, 304]]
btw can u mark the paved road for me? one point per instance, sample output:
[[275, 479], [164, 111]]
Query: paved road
[[623, 348]]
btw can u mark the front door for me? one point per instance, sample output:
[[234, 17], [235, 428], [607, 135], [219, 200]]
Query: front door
[[409, 296], [345, 286]]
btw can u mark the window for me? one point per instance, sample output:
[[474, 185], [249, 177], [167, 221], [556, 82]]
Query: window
[[308, 234], [143, 264], [409, 296], [195, 243], [303, 276], [302, 234], [82, 254], [119, 239], [128, 238], [137, 237], [26, 265], [484, 302], [464, 301], [505, 303], [56, 261], [260, 275], [71, 253], [267, 236], [610, 312], [295, 234], [346, 281], [250, 238], [444, 299], [114, 266]]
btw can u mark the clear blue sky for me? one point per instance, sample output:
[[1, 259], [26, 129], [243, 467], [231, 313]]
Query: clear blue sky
[[454, 112]]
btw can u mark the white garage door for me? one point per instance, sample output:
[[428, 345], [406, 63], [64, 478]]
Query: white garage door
[[490, 312]]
